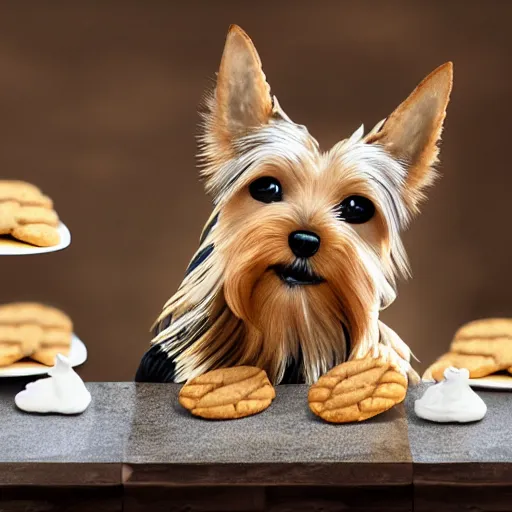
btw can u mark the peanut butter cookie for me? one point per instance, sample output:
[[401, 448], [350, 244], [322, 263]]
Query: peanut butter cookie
[[482, 346], [27, 214], [228, 393], [33, 330], [357, 390]]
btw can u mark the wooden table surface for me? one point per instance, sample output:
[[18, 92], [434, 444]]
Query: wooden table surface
[[135, 449]]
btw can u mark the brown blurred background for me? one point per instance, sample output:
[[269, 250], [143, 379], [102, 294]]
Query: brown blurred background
[[98, 107]]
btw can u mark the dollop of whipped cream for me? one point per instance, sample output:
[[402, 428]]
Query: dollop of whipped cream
[[451, 400], [64, 392]]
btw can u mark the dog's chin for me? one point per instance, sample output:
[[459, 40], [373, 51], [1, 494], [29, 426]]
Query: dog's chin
[[297, 275]]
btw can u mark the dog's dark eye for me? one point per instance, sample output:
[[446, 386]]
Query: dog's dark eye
[[356, 210], [266, 190]]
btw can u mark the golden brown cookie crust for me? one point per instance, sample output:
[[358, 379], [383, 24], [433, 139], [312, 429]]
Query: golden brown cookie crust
[[357, 390], [27, 214], [35, 313], [33, 330], [228, 393], [10, 353]]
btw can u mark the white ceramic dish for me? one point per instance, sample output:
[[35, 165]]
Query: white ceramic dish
[[499, 381], [77, 356], [12, 247]]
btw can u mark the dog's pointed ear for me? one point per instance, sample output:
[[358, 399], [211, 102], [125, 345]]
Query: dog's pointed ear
[[242, 96], [412, 132]]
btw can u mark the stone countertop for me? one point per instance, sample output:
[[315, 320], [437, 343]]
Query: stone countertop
[[462, 466], [138, 433], [65, 450], [486, 441], [140, 430], [285, 443], [447, 449]]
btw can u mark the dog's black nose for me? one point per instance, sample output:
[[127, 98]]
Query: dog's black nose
[[303, 243]]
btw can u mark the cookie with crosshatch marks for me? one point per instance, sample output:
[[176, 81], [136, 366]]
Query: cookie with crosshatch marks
[[27, 214], [33, 330], [482, 346], [228, 393], [357, 390]]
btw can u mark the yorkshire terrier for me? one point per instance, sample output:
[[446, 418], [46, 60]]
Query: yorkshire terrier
[[303, 248]]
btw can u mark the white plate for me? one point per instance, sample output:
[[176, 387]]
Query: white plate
[[492, 382], [77, 355], [500, 381], [12, 247]]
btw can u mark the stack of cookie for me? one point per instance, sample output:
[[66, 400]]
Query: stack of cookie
[[484, 347], [35, 331], [27, 214]]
